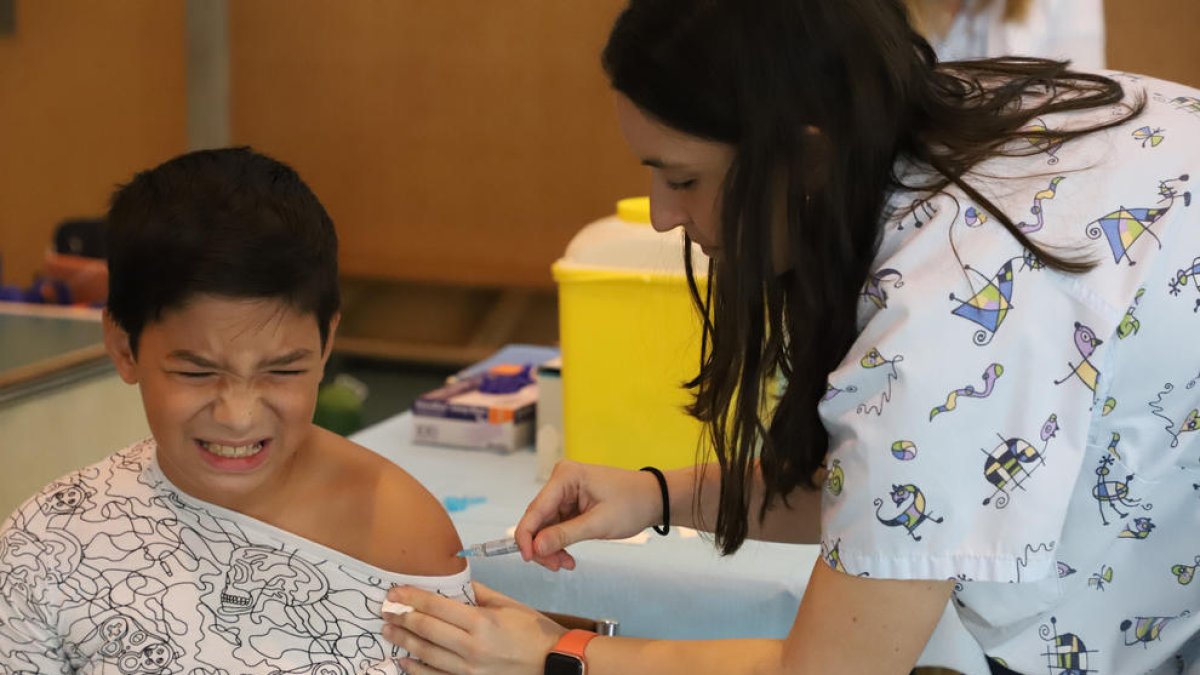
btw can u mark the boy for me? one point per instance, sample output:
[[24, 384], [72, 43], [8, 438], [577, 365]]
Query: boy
[[240, 537]]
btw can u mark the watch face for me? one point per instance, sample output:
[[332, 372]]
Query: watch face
[[563, 664]]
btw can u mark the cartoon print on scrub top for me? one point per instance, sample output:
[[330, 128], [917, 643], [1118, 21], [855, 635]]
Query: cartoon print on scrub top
[[1147, 629], [1129, 323], [874, 290], [989, 306], [1036, 209], [1032, 549], [1086, 343], [904, 450], [158, 580], [1138, 528], [1110, 493], [1149, 136], [1110, 404], [1123, 227], [833, 557], [873, 359], [1065, 653], [1114, 445], [836, 478], [1191, 420], [1183, 276], [1064, 570], [1101, 577], [1185, 573], [1189, 104], [1041, 142], [921, 211], [911, 502], [990, 375], [832, 391], [1012, 462], [974, 217]]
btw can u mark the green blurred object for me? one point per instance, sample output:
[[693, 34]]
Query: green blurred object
[[340, 405]]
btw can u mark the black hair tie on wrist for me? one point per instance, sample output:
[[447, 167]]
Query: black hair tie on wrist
[[666, 500]]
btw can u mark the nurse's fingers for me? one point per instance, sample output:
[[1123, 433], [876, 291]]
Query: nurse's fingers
[[433, 616]]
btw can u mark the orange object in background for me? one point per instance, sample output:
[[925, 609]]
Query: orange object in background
[[85, 278]]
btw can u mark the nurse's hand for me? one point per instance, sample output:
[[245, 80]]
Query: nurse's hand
[[500, 636], [586, 501]]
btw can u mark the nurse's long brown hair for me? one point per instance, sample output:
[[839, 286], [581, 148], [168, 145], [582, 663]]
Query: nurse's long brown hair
[[762, 75]]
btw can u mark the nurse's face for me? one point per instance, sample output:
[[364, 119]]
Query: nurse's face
[[687, 174]]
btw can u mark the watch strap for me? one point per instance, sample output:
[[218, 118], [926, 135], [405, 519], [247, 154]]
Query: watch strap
[[574, 642]]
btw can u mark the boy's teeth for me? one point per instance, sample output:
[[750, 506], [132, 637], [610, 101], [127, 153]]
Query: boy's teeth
[[232, 451]]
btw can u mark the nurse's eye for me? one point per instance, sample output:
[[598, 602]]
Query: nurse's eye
[[681, 185]]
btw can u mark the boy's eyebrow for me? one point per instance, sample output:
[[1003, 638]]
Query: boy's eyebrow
[[192, 358], [286, 359], [201, 362]]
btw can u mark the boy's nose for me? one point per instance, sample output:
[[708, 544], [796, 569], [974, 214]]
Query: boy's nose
[[235, 408]]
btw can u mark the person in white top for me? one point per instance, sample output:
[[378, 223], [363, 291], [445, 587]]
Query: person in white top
[[979, 281], [1065, 30], [241, 538]]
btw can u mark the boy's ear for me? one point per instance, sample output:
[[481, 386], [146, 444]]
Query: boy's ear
[[333, 326], [116, 343]]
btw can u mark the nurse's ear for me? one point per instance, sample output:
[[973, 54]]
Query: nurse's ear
[[809, 170], [120, 349]]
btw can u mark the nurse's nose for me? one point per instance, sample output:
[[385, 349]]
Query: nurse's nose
[[665, 225], [665, 213]]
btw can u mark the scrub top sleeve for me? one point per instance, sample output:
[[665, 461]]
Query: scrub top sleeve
[[959, 418]]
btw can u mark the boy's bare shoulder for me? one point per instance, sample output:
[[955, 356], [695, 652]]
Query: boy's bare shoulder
[[404, 528]]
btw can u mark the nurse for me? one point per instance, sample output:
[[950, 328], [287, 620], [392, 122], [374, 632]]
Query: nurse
[[979, 282]]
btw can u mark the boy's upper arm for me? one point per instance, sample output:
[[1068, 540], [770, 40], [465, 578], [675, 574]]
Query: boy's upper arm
[[413, 529]]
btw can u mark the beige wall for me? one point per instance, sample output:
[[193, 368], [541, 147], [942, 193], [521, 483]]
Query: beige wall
[[1159, 38], [89, 93], [458, 141], [465, 141]]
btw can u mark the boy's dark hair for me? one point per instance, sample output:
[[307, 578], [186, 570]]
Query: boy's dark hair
[[228, 222], [761, 76]]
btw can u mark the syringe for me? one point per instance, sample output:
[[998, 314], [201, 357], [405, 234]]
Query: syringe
[[490, 548]]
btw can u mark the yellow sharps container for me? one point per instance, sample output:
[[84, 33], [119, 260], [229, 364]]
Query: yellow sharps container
[[630, 338]]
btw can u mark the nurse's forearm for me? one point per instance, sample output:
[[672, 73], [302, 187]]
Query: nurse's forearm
[[630, 656], [798, 523]]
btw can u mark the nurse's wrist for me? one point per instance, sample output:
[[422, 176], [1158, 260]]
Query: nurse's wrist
[[663, 525]]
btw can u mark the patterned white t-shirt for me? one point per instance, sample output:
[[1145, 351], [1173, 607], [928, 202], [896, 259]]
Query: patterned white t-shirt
[[1031, 433], [112, 569]]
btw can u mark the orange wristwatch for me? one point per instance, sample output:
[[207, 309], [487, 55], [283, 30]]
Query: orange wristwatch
[[567, 656]]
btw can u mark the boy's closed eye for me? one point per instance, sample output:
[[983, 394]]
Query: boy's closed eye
[[195, 375], [192, 375]]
